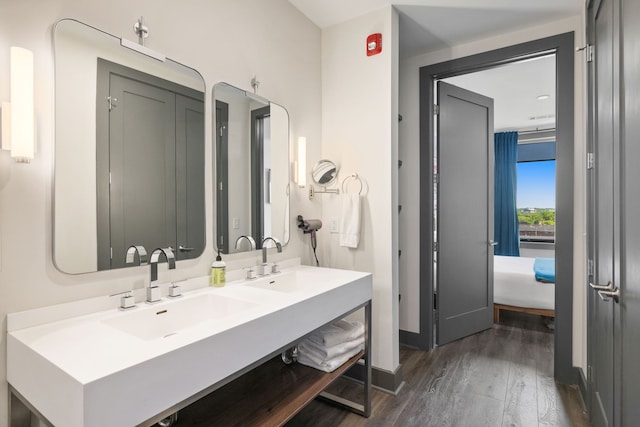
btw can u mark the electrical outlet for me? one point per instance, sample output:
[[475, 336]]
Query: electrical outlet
[[334, 225]]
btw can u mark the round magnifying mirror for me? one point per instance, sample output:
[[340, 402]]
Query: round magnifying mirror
[[324, 172]]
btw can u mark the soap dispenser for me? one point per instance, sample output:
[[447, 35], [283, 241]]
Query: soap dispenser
[[218, 271]]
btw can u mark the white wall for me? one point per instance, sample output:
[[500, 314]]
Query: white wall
[[359, 132], [409, 173], [225, 41]]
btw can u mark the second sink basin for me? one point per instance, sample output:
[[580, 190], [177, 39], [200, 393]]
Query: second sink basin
[[165, 320], [288, 283]]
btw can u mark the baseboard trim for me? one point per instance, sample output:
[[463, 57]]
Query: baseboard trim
[[583, 387], [411, 339], [384, 380]]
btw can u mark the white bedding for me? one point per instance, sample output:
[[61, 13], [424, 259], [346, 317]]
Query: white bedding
[[514, 284]]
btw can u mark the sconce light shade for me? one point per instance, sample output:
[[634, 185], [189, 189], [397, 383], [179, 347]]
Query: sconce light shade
[[302, 162], [22, 132]]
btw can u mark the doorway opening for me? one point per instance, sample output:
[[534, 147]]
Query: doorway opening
[[524, 119], [562, 47]]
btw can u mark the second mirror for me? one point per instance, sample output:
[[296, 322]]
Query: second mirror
[[252, 170]]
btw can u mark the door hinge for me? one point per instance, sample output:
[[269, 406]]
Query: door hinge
[[436, 178], [436, 109], [589, 374], [436, 246], [112, 102], [590, 161], [590, 52], [590, 267], [110, 253]]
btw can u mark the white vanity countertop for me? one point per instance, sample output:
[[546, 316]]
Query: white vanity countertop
[[115, 377]]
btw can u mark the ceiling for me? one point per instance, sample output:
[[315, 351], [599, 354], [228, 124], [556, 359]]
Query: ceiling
[[514, 88], [429, 25]]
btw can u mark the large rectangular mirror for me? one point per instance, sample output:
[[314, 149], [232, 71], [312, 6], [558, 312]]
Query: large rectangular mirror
[[129, 152], [252, 170]]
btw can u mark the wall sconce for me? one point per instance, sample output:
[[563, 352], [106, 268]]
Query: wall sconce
[[301, 163], [18, 117]]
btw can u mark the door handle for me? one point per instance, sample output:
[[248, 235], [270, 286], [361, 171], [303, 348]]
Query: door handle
[[607, 295], [183, 249], [493, 243], [608, 287]]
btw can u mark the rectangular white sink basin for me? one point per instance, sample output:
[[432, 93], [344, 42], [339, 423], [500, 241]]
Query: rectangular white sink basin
[[280, 283], [165, 320]]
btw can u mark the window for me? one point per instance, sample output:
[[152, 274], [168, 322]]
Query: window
[[536, 200]]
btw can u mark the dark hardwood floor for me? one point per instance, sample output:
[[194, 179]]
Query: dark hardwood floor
[[499, 377]]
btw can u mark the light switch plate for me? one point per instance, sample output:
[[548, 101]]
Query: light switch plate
[[334, 225]]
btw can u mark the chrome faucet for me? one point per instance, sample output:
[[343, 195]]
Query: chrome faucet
[[252, 243], [131, 255], [153, 290], [264, 265]]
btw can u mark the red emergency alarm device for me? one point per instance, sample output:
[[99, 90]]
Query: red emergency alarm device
[[374, 44]]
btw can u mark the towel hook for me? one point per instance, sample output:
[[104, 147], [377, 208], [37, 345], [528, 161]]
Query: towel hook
[[355, 177]]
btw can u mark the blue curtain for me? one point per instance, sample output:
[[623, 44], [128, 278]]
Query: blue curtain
[[506, 229]]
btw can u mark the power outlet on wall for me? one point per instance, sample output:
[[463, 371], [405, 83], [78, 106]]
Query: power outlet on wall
[[333, 224]]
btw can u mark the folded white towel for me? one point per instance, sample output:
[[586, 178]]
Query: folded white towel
[[350, 221], [322, 352], [337, 333], [327, 365]]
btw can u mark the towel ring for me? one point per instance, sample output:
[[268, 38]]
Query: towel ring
[[345, 183]]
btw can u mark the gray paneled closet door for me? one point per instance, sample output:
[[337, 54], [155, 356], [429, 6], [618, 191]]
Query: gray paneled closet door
[[629, 345], [601, 335], [143, 162], [613, 332]]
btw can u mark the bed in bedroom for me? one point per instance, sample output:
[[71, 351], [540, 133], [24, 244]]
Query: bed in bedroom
[[515, 287]]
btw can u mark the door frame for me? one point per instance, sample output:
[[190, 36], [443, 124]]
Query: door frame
[[563, 46], [222, 177], [257, 173]]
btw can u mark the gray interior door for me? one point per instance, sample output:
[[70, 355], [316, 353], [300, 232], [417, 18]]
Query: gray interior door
[[464, 285], [629, 307], [142, 160], [190, 209], [222, 176], [602, 216], [259, 117]]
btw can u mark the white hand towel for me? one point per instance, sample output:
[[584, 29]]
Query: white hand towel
[[328, 365], [322, 352], [350, 221], [337, 333]]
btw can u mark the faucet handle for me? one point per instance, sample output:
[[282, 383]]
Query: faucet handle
[[127, 300], [251, 273], [174, 289], [274, 268]]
